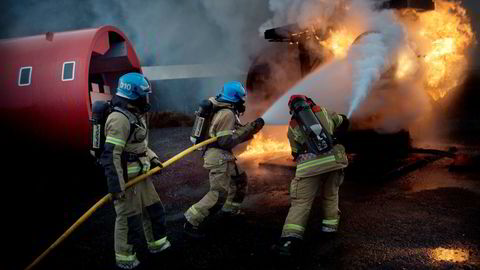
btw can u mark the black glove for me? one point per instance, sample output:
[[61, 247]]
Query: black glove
[[118, 195], [295, 156], [154, 162], [343, 128], [258, 125]]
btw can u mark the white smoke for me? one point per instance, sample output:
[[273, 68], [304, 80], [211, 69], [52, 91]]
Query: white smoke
[[302, 12], [362, 85], [374, 53]]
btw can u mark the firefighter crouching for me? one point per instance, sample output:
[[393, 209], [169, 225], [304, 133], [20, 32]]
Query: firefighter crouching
[[125, 156], [320, 162], [228, 182]]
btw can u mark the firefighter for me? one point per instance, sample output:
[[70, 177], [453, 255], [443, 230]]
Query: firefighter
[[228, 182], [126, 155], [320, 162]]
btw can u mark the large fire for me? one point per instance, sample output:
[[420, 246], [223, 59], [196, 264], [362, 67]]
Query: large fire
[[449, 34], [439, 42], [440, 38]]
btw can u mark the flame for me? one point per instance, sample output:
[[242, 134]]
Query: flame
[[452, 255], [448, 34], [445, 33], [406, 64], [339, 41], [264, 145]]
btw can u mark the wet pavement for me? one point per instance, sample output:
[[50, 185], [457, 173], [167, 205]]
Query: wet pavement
[[423, 219]]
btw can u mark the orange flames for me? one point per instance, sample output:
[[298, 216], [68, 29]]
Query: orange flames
[[406, 63], [440, 38], [263, 145], [339, 41], [448, 33], [452, 255], [439, 41]]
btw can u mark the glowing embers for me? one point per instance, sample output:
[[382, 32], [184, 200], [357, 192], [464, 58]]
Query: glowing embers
[[450, 255], [262, 144]]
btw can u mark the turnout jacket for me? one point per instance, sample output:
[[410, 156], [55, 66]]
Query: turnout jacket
[[309, 164], [126, 155], [226, 126]]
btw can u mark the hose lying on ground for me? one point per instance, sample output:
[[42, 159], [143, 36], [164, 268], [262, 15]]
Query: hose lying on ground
[[108, 197]]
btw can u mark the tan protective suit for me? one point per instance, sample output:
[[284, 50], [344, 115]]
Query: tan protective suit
[[228, 183], [314, 172], [126, 156]]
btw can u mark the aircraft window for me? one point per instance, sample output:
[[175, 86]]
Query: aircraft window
[[25, 76], [68, 71]]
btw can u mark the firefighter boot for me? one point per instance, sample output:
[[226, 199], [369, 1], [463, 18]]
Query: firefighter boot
[[159, 245], [126, 262], [193, 231], [331, 225], [287, 246]]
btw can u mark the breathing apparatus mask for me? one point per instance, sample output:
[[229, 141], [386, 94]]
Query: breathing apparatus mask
[[239, 107], [142, 104]]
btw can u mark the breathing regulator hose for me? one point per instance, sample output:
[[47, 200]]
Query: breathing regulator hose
[[108, 198]]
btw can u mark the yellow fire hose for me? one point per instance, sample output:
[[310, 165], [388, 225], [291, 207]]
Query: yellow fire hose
[[108, 197]]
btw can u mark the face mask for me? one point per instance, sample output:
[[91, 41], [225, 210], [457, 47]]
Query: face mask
[[142, 105], [240, 107]]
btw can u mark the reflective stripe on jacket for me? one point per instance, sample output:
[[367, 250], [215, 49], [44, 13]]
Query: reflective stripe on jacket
[[119, 141], [223, 124], [309, 164]]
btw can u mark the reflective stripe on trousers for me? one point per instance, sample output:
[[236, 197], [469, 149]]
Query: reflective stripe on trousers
[[315, 162], [302, 195]]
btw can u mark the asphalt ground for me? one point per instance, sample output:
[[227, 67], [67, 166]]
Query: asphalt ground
[[423, 219]]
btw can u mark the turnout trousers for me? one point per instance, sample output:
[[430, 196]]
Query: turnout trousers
[[302, 194], [228, 186], [140, 211]]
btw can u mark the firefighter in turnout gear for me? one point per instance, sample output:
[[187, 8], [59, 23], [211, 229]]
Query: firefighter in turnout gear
[[320, 162], [228, 182], [125, 156]]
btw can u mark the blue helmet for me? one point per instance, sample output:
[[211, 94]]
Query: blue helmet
[[232, 92], [133, 86]]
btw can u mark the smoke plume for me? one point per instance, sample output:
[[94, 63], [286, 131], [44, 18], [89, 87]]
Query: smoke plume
[[305, 13], [361, 85], [374, 53]]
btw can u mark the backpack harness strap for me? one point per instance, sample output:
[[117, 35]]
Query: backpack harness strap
[[215, 144], [129, 156]]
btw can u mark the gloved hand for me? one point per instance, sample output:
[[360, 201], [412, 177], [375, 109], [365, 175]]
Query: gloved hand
[[295, 156], [118, 195], [258, 125], [341, 130], [155, 162]]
